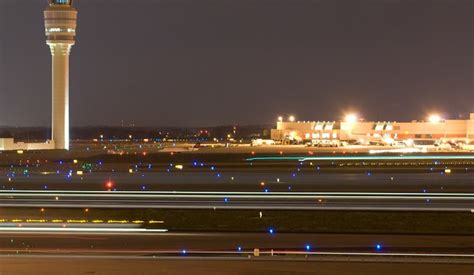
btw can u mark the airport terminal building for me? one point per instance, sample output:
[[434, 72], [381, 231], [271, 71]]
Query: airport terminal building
[[370, 131]]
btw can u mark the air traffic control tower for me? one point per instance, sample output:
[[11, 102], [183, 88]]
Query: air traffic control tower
[[60, 19]]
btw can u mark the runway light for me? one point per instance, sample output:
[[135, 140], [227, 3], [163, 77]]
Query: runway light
[[184, 252], [378, 247], [239, 248], [308, 247], [271, 231], [109, 184], [226, 199]]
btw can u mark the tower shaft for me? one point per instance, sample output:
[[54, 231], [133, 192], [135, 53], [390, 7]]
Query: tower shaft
[[60, 27], [60, 94]]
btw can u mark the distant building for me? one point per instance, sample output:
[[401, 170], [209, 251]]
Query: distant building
[[8, 144], [374, 131]]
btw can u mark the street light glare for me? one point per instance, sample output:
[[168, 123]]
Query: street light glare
[[434, 118], [291, 118], [351, 118], [280, 118]]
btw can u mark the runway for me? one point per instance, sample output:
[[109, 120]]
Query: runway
[[187, 244], [241, 200], [225, 253], [233, 181], [278, 253], [56, 265]]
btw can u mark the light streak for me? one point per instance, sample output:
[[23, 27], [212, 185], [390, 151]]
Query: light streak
[[220, 195], [363, 158], [77, 222], [82, 229]]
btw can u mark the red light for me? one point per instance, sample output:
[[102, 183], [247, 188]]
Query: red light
[[109, 184]]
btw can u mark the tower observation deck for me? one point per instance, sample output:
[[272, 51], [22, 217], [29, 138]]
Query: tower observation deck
[[60, 19]]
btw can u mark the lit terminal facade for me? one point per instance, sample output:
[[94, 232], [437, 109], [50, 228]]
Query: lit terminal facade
[[374, 132]]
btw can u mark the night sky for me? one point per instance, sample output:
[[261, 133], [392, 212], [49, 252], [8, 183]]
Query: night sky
[[222, 62]]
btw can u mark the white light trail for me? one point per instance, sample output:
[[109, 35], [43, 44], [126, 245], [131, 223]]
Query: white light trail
[[84, 229]]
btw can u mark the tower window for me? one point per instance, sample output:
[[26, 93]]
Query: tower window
[[61, 2]]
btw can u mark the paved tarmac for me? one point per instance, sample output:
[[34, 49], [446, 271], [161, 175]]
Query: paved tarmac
[[87, 243], [218, 180], [460, 202], [121, 266]]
